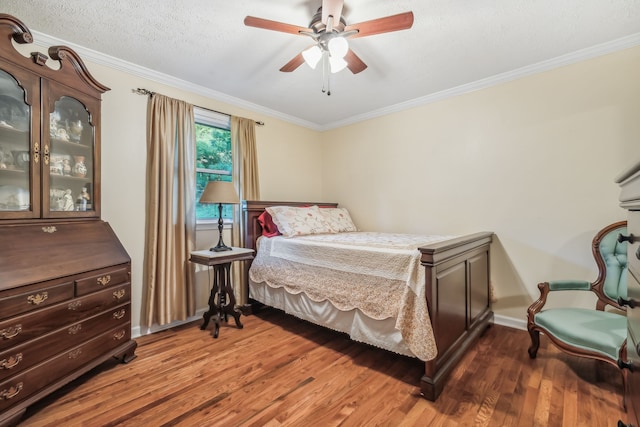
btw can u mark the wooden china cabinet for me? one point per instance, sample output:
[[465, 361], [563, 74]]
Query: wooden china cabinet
[[65, 286]]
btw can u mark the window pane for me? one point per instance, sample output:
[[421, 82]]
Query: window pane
[[210, 211], [213, 163]]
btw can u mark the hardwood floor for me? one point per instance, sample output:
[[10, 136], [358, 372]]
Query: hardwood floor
[[280, 371]]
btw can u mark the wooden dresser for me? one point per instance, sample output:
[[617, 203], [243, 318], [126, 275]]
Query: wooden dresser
[[629, 182], [65, 308], [65, 291]]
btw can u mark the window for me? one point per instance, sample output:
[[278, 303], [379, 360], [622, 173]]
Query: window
[[213, 159]]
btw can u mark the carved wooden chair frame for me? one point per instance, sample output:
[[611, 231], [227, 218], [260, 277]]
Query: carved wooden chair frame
[[597, 287]]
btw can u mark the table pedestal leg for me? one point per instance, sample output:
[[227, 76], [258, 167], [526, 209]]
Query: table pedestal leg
[[218, 307]]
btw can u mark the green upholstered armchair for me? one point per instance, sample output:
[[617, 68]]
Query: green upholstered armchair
[[596, 334]]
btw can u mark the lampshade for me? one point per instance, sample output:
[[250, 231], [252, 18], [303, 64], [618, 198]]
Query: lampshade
[[312, 56], [337, 64], [219, 192], [338, 47]]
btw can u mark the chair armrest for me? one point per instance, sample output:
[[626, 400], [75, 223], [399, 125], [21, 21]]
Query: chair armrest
[[569, 285], [556, 285]]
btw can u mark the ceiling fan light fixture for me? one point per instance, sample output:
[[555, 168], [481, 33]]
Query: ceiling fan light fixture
[[312, 56], [338, 47], [337, 64]]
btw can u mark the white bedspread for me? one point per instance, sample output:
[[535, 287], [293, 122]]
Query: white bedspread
[[377, 273]]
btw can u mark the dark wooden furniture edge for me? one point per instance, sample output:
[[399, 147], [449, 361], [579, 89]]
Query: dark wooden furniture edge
[[251, 210], [251, 230], [597, 287], [124, 353], [438, 258], [71, 68], [434, 258], [433, 382]]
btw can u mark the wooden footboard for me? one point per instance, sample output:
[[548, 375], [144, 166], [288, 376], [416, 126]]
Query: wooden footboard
[[457, 290], [458, 297]]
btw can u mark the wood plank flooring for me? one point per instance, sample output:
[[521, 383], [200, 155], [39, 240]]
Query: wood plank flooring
[[281, 371]]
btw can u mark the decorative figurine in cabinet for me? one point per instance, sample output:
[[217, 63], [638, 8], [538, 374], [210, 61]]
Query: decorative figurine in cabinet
[[65, 277], [49, 134]]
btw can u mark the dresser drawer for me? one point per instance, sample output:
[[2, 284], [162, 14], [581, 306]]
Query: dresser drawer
[[99, 280], [633, 314], [633, 350], [34, 325], [28, 298], [633, 250], [24, 384], [26, 355]]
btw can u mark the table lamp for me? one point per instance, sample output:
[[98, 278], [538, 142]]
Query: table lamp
[[219, 192]]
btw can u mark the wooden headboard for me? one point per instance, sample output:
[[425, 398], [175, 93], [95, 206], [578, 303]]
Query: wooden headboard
[[252, 209]]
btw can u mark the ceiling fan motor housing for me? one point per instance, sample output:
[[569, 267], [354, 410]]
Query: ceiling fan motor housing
[[318, 26]]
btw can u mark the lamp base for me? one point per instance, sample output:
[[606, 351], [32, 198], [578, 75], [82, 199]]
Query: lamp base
[[220, 246]]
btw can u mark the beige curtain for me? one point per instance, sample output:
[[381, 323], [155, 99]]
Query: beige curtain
[[170, 227], [245, 177]]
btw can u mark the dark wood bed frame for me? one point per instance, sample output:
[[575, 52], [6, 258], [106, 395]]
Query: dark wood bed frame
[[457, 289]]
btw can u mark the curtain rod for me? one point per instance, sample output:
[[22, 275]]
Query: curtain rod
[[141, 91]]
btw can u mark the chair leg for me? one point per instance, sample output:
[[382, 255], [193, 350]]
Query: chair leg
[[535, 343]]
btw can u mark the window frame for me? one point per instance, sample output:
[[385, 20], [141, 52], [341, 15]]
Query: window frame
[[221, 121]]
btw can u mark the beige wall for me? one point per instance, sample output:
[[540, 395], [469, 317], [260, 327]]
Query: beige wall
[[533, 160], [284, 150]]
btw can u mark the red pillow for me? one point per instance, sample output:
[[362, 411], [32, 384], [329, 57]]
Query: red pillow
[[269, 229]]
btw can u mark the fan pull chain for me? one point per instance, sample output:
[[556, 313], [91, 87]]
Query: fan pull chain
[[326, 88]]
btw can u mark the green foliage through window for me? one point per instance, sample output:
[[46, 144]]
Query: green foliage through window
[[213, 163]]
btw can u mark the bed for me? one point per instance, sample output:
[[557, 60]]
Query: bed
[[433, 305]]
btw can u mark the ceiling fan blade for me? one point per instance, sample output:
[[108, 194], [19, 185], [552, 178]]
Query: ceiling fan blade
[[252, 21], [297, 61], [332, 8], [354, 63], [402, 21]]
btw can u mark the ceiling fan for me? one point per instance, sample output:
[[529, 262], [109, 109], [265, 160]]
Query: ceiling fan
[[330, 32]]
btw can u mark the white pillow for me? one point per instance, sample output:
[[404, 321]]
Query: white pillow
[[338, 219], [298, 221]]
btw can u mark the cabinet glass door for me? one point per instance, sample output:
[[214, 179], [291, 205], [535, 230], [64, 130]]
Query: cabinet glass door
[[15, 150], [71, 159]]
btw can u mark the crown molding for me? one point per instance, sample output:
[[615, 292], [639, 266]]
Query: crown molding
[[44, 40], [627, 42], [550, 64]]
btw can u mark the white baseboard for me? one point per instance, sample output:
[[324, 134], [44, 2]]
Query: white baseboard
[[140, 331], [510, 322]]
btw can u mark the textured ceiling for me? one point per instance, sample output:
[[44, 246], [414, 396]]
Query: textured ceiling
[[452, 43]]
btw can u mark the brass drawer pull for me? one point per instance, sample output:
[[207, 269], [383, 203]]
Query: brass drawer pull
[[51, 229], [104, 280], [36, 152], [38, 298], [119, 335], [73, 306], [119, 314], [10, 332], [74, 354], [11, 392], [46, 154], [119, 294], [73, 330], [11, 362]]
